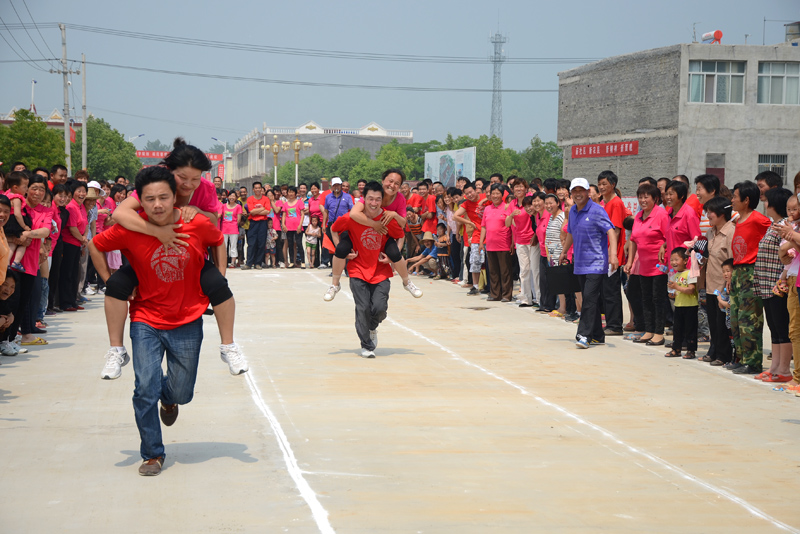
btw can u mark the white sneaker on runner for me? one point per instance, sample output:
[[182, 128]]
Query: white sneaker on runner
[[115, 361], [414, 290], [8, 349], [330, 294], [232, 355], [373, 336], [367, 353]]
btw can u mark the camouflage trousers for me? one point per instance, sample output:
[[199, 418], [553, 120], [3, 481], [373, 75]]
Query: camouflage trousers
[[747, 317]]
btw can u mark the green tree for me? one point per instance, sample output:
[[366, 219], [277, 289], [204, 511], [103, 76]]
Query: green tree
[[542, 160], [28, 139], [416, 153], [311, 169], [390, 156], [108, 153], [155, 146], [342, 165]]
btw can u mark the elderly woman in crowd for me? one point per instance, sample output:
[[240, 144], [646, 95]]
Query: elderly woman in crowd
[[496, 241], [553, 245], [648, 238]]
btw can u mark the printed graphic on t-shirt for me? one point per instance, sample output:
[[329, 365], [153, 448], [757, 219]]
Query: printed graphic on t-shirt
[[739, 247], [170, 264], [228, 216], [292, 212], [371, 239]]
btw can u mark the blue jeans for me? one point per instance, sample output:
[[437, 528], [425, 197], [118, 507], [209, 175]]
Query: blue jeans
[[182, 346]]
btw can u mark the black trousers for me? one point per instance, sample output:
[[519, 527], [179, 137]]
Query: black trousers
[[721, 348], [634, 294], [68, 280], [23, 313], [612, 301], [547, 300], [256, 242], [654, 298], [55, 273], [372, 303], [591, 324], [684, 327], [295, 240]]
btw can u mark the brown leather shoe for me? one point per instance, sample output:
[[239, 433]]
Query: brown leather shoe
[[168, 413], [151, 467]]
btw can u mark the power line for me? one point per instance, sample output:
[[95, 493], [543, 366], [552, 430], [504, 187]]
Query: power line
[[37, 29], [316, 84], [180, 123], [26, 30], [311, 52], [30, 60]]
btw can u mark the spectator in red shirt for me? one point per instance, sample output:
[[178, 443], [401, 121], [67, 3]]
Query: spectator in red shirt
[[167, 314], [369, 267], [612, 287], [472, 208]]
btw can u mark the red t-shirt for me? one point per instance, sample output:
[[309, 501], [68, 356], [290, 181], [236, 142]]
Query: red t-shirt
[[694, 202], [747, 236], [253, 203], [615, 209], [169, 293], [475, 215], [429, 206], [369, 244]]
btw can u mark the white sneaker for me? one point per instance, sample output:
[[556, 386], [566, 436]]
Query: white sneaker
[[115, 361], [101, 291], [19, 348], [414, 290], [8, 349], [367, 354], [232, 355], [330, 294], [373, 336], [89, 291]]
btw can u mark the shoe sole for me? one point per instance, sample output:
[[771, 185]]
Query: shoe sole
[[581, 345]]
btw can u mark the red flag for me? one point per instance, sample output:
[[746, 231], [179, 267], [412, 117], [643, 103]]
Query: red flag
[[71, 135]]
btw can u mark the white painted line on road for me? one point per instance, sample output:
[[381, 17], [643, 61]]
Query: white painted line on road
[[610, 436], [317, 511]]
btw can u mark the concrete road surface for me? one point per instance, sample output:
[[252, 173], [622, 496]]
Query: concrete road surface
[[474, 417]]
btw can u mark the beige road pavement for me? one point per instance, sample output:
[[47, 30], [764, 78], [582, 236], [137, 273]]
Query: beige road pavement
[[474, 417]]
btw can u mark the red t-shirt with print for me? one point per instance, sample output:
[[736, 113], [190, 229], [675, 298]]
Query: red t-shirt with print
[[615, 209], [747, 236], [169, 293], [475, 215], [369, 244]]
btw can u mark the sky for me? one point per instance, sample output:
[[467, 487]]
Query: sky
[[163, 105]]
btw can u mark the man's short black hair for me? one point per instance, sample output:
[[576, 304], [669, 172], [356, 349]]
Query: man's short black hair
[[680, 188], [55, 168], [550, 184], [650, 180], [496, 174], [467, 185], [772, 178], [749, 192], [360, 180], [152, 175], [777, 198], [497, 187], [373, 186], [609, 176]]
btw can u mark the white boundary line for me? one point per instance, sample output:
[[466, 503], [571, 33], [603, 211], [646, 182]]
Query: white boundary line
[[319, 513], [610, 436]]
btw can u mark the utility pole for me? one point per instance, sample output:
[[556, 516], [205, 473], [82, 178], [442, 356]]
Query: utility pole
[[498, 58], [64, 71], [83, 124]]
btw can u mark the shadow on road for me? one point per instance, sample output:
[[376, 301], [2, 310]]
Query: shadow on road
[[195, 453]]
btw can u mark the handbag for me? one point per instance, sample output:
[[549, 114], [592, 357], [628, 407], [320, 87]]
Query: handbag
[[561, 279]]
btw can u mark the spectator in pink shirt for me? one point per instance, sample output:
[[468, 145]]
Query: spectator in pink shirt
[[496, 241], [685, 223]]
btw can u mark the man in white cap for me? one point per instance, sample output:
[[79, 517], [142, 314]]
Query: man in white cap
[[591, 234]]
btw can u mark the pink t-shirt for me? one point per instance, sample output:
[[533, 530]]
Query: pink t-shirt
[[649, 234], [498, 235], [684, 226], [541, 232], [294, 215], [398, 205], [230, 219], [77, 219], [42, 217], [314, 207], [55, 230], [521, 227], [204, 197], [101, 217]]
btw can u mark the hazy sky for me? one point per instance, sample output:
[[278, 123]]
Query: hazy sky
[[164, 105]]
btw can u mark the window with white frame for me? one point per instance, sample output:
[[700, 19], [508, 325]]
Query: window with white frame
[[779, 83], [773, 162], [716, 82]]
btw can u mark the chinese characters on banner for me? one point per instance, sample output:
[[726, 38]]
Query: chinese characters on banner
[[221, 171], [162, 154], [606, 150]]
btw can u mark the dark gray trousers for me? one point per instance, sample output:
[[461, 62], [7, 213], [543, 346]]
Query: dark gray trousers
[[372, 302]]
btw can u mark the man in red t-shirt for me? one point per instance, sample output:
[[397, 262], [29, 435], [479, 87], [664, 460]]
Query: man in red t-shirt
[[612, 287], [369, 268], [166, 315], [424, 205], [472, 208]]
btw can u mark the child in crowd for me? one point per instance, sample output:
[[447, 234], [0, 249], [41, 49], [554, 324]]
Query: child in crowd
[[686, 303], [272, 238], [724, 297], [414, 228], [442, 251], [20, 221], [425, 259], [313, 235]]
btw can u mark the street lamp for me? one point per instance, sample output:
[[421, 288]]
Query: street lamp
[[130, 139], [224, 155], [297, 146], [275, 148]]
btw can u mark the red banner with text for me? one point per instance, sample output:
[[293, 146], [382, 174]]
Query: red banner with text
[[606, 150], [161, 155]]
